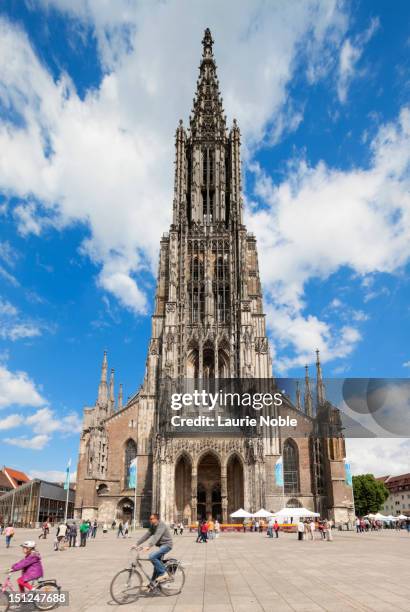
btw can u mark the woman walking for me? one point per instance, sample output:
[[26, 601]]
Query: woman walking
[[9, 533]]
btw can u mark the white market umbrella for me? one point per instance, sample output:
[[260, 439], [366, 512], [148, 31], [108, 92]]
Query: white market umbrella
[[381, 517], [402, 517], [241, 513], [262, 513], [392, 518], [296, 513]]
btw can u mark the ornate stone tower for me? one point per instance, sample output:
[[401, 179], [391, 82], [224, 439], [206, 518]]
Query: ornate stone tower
[[208, 324], [208, 317]]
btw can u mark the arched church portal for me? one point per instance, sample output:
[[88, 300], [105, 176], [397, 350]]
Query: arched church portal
[[235, 484], [125, 510], [183, 475], [209, 487]]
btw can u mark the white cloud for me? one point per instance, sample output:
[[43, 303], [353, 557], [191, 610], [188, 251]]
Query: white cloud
[[11, 421], [18, 331], [35, 443], [106, 160], [52, 475], [47, 422], [378, 456], [26, 219], [9, 277], [6, 308], [406, 364], [17, 388], [350, 54], [12, 327], [8, 253], [358, 218]]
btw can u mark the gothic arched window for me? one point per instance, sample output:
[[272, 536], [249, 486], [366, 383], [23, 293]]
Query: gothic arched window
[[290, 467], [130, 454]]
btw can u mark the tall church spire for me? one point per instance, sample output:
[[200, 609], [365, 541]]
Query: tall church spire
[[308, 394], [112, 400], [298, 399], [102, 399], [320, 387], [120, 398], [207, 119]]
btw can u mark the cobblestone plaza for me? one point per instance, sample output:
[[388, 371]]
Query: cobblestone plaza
[[243, 573]]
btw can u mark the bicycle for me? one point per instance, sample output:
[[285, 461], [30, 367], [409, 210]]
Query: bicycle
[[126, 586], [47, 587]]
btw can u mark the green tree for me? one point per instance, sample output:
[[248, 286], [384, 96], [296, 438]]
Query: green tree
[[369, 494]]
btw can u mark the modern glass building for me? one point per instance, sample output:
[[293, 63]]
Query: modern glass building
[[34, 502]]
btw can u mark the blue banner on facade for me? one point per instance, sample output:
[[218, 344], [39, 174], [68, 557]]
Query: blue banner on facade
[[348, 471], [279, 472], [132, 474]]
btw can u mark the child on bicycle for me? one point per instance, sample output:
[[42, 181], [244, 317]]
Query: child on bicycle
[[31, 566]]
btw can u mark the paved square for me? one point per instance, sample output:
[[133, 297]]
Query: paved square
[[243, 573]]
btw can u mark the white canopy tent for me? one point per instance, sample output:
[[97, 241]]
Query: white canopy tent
[[241, 513], [296, 513], [381, 517], [402, 517], [262, 513], [391, 518]]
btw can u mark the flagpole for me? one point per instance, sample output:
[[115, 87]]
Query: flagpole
[[135, 505], [67, 487]]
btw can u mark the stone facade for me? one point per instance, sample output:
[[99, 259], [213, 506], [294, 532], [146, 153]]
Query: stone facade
[[208, 324]]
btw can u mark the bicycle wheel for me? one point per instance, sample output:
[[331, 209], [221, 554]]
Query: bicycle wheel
[[176, 581], [4, 602], [51, 590], [126, 586]]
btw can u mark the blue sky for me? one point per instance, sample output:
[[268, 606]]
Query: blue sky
[[90, 95]]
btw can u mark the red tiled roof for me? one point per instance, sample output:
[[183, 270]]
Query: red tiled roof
[[15, 476], [403, 480], [4, 481]]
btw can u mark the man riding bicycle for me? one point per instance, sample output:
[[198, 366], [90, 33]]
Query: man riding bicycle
[[159, 535]]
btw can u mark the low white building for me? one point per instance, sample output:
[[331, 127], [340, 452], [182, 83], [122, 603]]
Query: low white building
[[398, 501]]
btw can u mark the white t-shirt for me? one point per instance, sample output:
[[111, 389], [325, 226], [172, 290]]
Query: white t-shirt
[[301, 526], [312, 526]]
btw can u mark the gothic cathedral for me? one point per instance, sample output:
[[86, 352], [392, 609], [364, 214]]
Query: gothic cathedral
[[208, 323]]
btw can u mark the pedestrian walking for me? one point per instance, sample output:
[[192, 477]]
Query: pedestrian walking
[[312, 527], [9, 533], [269, 533], [204, 532], [44, 531], [60, 536], [72, 535], [120, 531], [211, 527], [105, 528], [276, 528], [94, 529], [301, 529], [199, 532], [181, 528], [113, 524], [83, 533], [329, 535], [174, 527], [126, 528], [217, 528]]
